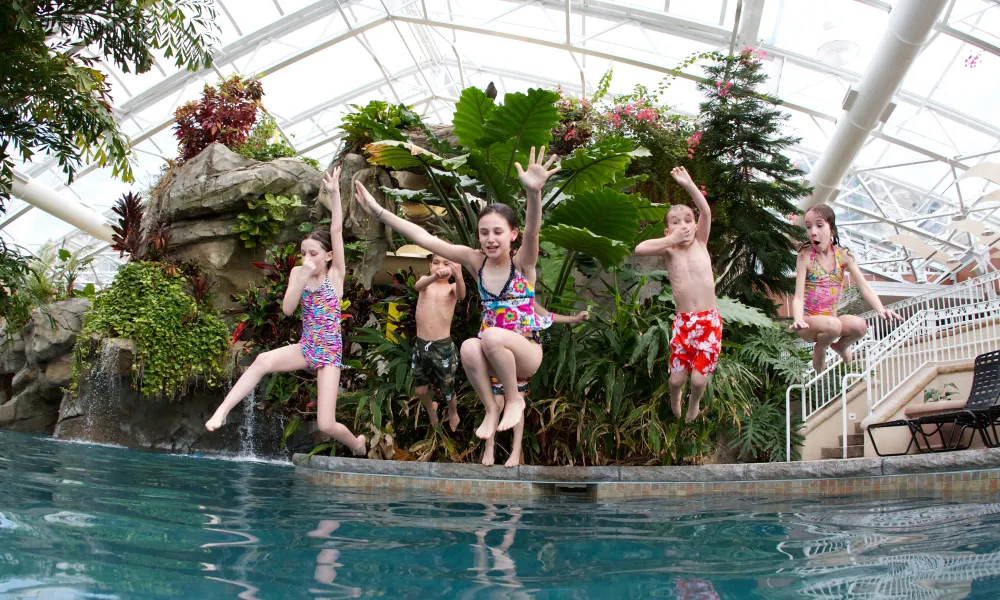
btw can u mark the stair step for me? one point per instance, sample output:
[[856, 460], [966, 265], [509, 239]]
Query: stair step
[[854, 439], [838, 452], [858, 429]]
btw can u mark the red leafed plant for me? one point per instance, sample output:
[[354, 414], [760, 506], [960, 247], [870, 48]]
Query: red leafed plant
[[127, 236], [225, 114]]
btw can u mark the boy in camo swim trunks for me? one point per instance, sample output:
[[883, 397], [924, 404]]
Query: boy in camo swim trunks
[[435, 357]]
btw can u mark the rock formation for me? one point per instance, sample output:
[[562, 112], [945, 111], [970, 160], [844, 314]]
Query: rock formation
[[37, 367]]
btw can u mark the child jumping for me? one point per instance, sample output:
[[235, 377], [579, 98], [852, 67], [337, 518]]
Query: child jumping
[[435, 357], [508, 345], [697, 333], [319, 285], [547, 319], [819, 281]]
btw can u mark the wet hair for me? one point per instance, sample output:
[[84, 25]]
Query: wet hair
[[323, 237], [508, 215], [825, 213], [666, 215]]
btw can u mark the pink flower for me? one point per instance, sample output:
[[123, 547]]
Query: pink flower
[[569, 134]]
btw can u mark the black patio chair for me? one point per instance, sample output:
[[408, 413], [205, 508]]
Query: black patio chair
[[980, 413]]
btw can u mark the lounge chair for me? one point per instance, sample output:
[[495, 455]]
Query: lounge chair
[[942, 426]]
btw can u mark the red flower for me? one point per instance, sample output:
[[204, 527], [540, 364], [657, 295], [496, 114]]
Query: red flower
[[239, 331]]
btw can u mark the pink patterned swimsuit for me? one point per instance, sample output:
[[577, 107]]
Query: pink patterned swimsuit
[[321, 340], [823, 288]]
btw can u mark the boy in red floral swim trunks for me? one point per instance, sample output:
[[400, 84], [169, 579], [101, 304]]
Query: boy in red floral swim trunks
[[697, 334]]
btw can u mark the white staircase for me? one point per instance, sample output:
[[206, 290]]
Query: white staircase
[[946, 325]]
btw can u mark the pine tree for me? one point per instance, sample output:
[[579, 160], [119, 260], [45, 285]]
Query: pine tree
[[752, 185]]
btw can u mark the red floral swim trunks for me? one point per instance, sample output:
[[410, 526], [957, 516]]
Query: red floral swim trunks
[[696, 342]]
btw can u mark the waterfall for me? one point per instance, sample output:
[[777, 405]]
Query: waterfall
[[104, 387], [249, 428]]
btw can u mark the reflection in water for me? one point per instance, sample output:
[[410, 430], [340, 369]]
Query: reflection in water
[[155, 526]]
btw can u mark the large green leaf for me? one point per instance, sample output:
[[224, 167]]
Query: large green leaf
[[735, 311], [595, 166], [402, 155], [490, 181], [527, 119], [471, 111], [649, 211], [603, 212], [609, 252]]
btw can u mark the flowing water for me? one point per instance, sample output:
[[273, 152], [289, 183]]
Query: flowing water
[[85, 521]]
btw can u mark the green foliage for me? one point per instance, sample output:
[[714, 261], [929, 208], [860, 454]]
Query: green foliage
[[598, 165], [57, 101], [374, 122], [752, 183], [943, 394], [54, 272], [266, 143], [175, 339], [17, 297], [471, 112], [263, 218]]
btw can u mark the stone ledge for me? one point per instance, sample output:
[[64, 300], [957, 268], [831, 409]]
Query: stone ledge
[[818, 469]]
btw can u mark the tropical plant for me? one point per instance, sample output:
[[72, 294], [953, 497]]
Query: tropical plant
[[375, 122], [752, 183], [16, 295], [266, 142], [176, 340], [55, 271], [56, 100], [225, 114], [262, 220], [944, 393]]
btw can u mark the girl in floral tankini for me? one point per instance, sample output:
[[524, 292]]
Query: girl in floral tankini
[[508, 346], [819, 282], [318, 284]]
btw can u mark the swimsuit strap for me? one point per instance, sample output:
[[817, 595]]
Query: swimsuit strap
[[485, 293]]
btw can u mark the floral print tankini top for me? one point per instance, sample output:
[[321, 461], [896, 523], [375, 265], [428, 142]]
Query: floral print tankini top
[[823, 288], [321, 339], [513, 308]]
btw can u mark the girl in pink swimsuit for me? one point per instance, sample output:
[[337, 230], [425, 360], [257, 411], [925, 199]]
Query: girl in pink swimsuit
[[507, 345], [819, 283], [318, 284]]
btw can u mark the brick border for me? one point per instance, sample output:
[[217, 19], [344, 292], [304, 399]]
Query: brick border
[[972, 472]]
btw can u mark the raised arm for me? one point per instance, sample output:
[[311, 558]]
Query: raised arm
[[798, 306], [683, 178], [425, 281], [866, 290], [659, 246], [415, 233], [533, 179], [331, 182]]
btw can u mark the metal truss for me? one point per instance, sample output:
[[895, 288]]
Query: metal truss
[[873, 203]]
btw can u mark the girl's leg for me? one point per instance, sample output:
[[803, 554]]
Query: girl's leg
[[511, 355], [478, 371], [327, 381], [515, 446], [852, 329], [823, 331], [281, 360]]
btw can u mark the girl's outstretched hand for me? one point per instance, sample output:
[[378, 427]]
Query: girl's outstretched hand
[[581, 316], [538, 171], [331, 181], [365, 200], [799, 325], [890, 315]]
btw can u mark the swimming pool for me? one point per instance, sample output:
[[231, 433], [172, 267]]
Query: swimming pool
[[84, 521]]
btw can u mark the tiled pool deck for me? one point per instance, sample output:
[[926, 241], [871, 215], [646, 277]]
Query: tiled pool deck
[[972, 472]]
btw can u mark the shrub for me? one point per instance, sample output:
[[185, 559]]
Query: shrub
[[262, 220], [175, 338], [266, 143], [225, 114]]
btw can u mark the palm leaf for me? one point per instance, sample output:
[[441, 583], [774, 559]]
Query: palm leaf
[[402, 155]]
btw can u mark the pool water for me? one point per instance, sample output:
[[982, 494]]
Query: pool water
[[85, 521]]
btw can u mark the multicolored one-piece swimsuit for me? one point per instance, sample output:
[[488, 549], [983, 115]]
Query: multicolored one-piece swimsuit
[[823, 288], [512, 309], [321, 338]]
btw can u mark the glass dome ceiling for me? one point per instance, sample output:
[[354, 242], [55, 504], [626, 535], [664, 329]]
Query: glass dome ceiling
[[316, 58]]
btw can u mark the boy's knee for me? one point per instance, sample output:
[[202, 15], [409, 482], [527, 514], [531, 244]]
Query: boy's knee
[[678, 379], [698, 381], [422, 390]]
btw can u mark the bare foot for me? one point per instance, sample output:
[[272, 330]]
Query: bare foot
[[453, 419], [675, 405], [362, 448], [215, 422], [845, 353], [488, 455], [432, 414], [513, 412], [819, 360], [489, 426], [515, 458], [693, 411]]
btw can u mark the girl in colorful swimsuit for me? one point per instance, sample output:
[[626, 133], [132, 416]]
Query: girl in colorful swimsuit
[[318, 284], [819, 282], [508, 345]]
